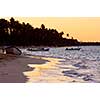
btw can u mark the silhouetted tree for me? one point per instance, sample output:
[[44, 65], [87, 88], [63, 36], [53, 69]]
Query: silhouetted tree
[[3, 31], [15, 33], [61, 34], [42, 26]]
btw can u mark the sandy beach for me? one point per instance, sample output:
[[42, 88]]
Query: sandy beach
[[12, 68], [31, 69]]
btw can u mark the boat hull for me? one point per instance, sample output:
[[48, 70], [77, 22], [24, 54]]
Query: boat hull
[[38, 49], [73, 48]]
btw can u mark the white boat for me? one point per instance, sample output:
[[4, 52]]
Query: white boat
[[73, 48]]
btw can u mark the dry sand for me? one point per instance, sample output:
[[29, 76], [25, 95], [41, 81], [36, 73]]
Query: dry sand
[[12, 68]]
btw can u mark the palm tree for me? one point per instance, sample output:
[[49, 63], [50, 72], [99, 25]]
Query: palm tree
[[61, 34], [11, 25], [43, 26], [3, 31]]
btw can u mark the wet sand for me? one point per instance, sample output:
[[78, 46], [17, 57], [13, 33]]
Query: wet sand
[[31, 69], [48, 72], [12, 68]]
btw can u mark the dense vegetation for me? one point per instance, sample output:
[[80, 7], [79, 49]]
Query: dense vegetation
[[23, 34], [89, 43]]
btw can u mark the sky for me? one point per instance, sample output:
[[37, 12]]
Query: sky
[[81, 28]]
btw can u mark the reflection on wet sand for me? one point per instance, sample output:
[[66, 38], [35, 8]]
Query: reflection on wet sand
[[48, 72]]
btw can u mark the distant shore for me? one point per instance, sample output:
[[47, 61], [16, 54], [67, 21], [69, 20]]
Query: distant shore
[[12, 68]]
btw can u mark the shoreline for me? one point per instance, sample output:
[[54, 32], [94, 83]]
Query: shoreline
[[12, 68], [32, 69], [49, 72]]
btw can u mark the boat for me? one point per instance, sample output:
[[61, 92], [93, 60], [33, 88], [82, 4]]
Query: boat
[[76, 48], [11, 50], [38, 49]]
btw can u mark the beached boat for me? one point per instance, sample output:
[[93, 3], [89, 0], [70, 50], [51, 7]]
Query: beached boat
[[38, 49], [11, 50], [72, 48]]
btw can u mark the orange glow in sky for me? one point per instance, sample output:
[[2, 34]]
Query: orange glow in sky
[[81, 28]]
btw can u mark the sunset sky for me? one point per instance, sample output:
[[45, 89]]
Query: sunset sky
[[81, 28]]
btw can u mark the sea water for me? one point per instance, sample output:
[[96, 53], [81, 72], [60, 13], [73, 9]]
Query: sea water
[[83, 64]]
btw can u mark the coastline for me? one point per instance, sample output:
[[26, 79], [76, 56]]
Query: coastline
[[49, 72], [32, 69], [12, 68]]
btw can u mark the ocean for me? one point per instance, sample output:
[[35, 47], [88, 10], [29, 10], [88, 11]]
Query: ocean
[[81, 65]]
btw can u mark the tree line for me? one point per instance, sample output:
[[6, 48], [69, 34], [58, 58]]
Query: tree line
[[14, 33]]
